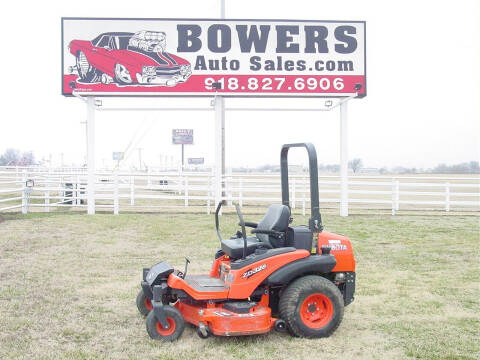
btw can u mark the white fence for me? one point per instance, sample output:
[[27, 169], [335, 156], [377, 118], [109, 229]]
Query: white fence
[[121, 191]]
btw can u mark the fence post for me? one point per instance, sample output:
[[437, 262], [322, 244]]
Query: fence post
[[24, 193], [294, 193], [47, 199], [46, 195], [397, 195], [179, 184], [447, 197], [77, 191], [132, 190], [186, 191], [115, 193], [240, 192], [393, 197], [228, 189], [209, 186]]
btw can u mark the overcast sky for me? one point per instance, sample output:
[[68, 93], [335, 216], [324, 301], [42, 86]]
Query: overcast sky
[[422, 108]]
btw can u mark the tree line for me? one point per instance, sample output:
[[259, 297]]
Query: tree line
[[15, 157]]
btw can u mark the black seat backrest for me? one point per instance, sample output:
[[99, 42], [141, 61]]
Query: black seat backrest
[[277, 218]]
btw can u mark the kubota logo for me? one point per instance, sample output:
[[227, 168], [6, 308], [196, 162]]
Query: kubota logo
[[251, 272], [336, 245]]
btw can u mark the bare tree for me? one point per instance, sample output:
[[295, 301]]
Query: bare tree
[[10, 157], [13, 157], [27, 159], [355, 164]]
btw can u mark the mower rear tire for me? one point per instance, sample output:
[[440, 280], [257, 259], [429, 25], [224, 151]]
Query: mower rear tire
[[144, 304], [312, 307], [175, 321]]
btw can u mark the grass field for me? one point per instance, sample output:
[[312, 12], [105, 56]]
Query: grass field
[[68, 284]]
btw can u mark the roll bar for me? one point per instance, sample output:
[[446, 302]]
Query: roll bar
[[315, 221]]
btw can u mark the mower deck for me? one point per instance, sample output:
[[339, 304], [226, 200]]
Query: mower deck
[[224, 322]]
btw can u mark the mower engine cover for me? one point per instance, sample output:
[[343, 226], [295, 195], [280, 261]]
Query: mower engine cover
[[158, 273]]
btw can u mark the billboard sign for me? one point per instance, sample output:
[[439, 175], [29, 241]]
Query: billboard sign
[[196, 161], [201, 57], [182, 136]]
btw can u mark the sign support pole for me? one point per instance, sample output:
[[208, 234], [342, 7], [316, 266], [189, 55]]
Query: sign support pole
[[220, 136], [91, 155], [343, 159], [219, 146], [183, 156]]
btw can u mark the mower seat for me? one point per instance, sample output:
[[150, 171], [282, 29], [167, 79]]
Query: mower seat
[[234, 247], [277, 218]]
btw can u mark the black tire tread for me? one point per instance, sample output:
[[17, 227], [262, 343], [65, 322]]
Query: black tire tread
[[172, 312], [289, 303], [141, 303], [93, 75]]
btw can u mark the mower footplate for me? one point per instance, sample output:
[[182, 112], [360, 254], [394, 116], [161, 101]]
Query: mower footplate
[[223, 322], [204, 283], [200, 287]]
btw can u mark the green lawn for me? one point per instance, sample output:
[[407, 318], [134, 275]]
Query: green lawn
[[68, 284]]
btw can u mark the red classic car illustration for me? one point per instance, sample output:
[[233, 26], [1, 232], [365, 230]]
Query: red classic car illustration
[[129, 59]]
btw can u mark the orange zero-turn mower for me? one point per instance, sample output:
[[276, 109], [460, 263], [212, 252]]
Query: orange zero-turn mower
[[295, 278]]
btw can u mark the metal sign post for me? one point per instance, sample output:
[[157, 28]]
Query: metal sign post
[[343, 159], [183, 156], [219, 105], [91, 155]]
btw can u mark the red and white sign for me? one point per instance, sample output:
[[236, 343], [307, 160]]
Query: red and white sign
[[195, 57]]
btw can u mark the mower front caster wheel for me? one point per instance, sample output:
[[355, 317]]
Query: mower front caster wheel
[[203, 331], [175, 321], [144, 304], [312, 307]]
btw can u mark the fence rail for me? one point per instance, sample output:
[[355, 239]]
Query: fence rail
[[60, 188]]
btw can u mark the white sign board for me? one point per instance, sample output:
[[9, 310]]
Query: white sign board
[[117, 155], [201, 57], [182, 136]]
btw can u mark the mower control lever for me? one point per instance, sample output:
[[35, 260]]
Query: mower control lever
[[217, 226], [244, 232], [186, 268]]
